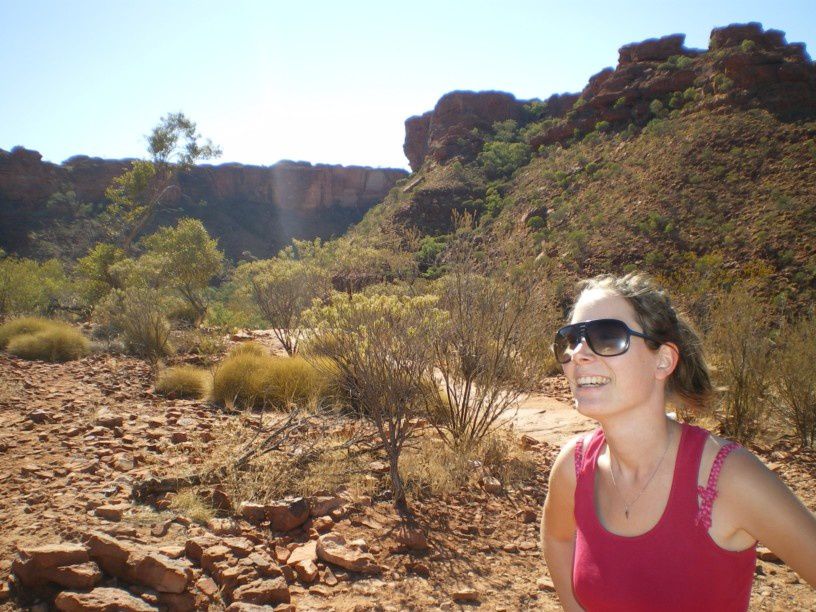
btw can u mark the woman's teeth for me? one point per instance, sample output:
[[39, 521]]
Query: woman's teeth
[[591, 381]]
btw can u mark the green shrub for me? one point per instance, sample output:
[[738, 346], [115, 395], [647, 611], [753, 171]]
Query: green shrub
[[499, 159], [30, 287], [250, 380], [182, 382], [536, 222], [746, 46], [24, 325], [57, 342]]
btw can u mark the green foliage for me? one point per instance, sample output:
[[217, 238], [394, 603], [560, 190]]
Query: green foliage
[[619, 103], [72, 228], [93, 271], [31, 287], [747, 46], [602, 126], [501, 159], [183, 382], [677, 62], [722, 83], [536, 223], [250, 380], [137, 194], [139, 313], [187, 259], [657, 108], [428, 256], [282, 289], [506, 131], [55, 342]]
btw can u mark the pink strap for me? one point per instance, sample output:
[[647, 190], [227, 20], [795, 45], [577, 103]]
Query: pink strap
[[709, 492], [579, 456]]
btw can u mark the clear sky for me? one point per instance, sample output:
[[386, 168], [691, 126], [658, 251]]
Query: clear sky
[[321, 81]]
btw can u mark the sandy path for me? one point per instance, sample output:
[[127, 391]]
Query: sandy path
[[549, 419]]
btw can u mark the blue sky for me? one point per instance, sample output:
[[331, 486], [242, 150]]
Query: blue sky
[[321, 81]]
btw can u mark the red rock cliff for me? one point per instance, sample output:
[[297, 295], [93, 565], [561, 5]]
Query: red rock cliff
[[249, 208]]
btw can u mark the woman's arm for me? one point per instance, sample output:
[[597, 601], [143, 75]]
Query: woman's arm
[[558, 526], [769, 511]]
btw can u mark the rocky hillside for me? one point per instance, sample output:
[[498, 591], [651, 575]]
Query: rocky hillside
[[249, 208], [675, 161]]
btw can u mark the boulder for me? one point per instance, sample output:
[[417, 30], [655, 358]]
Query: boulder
[[109, 553], [263, 592], [32, 563], [307, 552], [80, 576], [288, 513], [101, 599], [160, 573], [332, 548]]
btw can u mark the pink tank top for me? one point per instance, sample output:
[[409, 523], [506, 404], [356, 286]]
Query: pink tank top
[[673, 566]]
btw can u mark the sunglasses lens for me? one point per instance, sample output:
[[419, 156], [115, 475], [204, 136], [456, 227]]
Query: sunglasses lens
[[565, 338], [608, 337]]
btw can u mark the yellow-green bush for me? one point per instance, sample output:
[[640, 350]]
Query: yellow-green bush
[[57, 342], [183, 382], [248, 379], [248, 348], [24, 325]]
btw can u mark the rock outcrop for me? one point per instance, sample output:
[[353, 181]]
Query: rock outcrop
[[446, 130], [249, 208], [745, 66]]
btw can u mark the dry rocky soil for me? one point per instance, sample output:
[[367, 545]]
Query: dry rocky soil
[[77, 440]]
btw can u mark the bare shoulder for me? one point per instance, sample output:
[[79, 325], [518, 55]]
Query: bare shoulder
[[740, 469], [563, 469]]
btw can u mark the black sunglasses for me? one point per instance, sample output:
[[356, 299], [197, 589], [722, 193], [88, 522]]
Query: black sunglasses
[[606, 337]]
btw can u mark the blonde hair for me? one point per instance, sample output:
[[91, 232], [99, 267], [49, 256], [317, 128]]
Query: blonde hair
[[690, 382]]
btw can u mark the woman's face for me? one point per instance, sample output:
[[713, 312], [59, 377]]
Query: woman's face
[[606, 386]]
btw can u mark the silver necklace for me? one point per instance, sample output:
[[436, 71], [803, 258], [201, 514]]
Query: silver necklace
[[627, 506]]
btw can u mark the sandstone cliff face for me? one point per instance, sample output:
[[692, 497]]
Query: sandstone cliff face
[[745, 66], [249, 208]]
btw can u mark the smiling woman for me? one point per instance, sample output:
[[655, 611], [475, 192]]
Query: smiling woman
[[647, 513]]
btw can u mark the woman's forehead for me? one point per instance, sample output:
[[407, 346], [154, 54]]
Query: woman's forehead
[[602, 304]]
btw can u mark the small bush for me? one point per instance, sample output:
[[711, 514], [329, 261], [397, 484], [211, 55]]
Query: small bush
[[252, 380], [249, 348], [182, 382], [57, 342], [795, 373], [18, 327]]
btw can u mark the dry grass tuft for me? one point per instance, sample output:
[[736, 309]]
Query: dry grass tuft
[[310, 466], [56, 342], [189, 504], [18, 327], [249, 348], [183, 382], [250, 380], [435, 467]]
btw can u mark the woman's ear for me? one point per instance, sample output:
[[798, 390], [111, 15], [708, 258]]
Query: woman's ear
[[668, 356]]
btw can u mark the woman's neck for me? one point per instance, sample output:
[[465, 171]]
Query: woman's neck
[[637, 445]]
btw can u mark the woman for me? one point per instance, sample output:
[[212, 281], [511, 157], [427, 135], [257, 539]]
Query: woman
[[646, 513]]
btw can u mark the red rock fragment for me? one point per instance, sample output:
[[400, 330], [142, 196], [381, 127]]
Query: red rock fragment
[[264, 592], [101, 599]]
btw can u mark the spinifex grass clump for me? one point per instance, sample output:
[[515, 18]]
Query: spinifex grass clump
[[46, 340], [252, 380], [183, 382], [17, 327]]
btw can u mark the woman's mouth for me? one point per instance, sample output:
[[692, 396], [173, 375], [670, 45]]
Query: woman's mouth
[[583, 382]]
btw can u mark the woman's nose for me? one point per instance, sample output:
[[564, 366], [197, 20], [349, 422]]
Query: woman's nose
[[582, 352]]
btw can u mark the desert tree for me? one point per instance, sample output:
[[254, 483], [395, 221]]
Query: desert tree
[[496, 345], [795, 374], [173, 146], [282, 289], [739, 346], [381, 350], [187, 260]]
